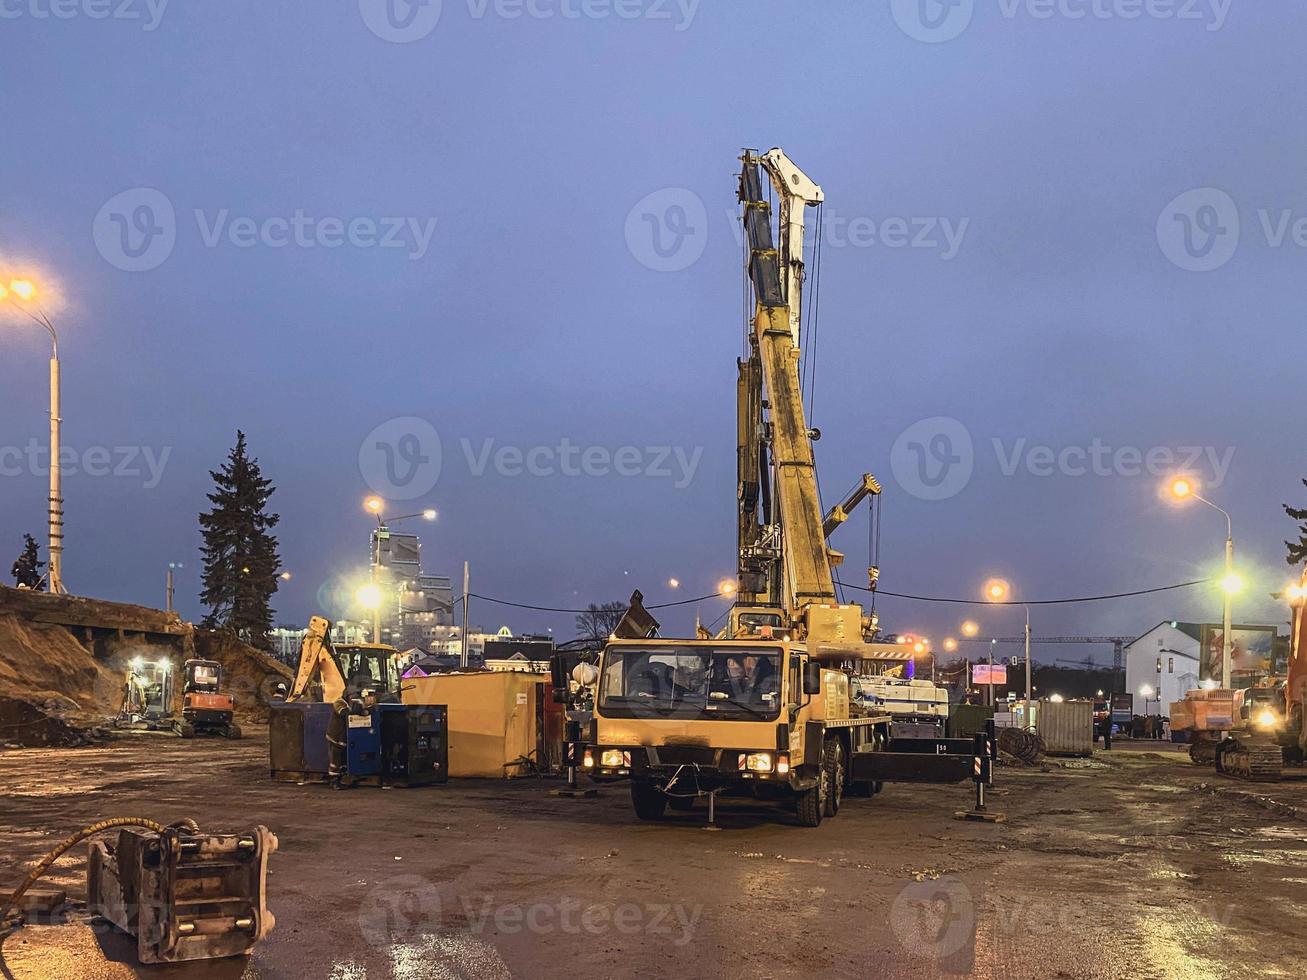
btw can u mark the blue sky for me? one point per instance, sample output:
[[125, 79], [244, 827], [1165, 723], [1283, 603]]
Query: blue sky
[[379, 215]]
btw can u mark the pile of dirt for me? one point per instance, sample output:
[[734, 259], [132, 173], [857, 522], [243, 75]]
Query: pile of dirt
[[39, 723], [61, 685], [248, 675], [42, 664]]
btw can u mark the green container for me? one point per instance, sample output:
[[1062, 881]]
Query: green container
[[964, 720]]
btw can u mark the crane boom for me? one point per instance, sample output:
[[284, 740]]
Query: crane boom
[[773, 427]]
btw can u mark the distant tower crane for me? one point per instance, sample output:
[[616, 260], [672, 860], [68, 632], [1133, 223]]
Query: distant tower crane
[[1118, 643]]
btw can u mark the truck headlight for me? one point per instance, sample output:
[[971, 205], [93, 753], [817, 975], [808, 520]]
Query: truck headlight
[[614, 759], [588, 760], [756, 762]]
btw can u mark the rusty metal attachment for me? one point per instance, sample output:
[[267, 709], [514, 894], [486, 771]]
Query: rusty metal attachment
[[184, 895]]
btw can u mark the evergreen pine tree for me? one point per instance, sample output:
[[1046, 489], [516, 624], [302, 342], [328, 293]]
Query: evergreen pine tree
[[1297, 549], [241, 563], [27, 569]]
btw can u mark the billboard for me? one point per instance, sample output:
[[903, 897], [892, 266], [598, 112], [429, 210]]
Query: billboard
[[985, 674], [1252, 655]]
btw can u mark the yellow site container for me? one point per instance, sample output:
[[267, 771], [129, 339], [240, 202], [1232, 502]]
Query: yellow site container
[[494, 726]]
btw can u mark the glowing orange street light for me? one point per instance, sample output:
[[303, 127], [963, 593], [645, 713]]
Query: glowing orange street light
[[374, 505], [997, 590], [726, 587], [950, 645], [970, 628]]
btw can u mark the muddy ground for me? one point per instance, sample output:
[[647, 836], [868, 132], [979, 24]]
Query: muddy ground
[[1140, 866]]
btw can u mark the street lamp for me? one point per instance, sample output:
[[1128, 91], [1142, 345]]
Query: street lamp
[[1000, 590], [1147, 692], [21, 293], [1184, 489], [970, 628]]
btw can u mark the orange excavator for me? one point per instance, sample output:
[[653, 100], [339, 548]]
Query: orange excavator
[[1251, 734], [206, 710]]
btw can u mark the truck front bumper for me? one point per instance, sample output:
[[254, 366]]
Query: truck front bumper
[[705, 769]]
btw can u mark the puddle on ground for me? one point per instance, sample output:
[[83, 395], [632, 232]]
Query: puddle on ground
[[447, 956]]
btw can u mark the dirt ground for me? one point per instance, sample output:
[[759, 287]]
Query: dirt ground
[[1133, 865]]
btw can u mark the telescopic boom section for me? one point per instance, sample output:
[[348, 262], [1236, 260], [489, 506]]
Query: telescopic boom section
[[807, 568]]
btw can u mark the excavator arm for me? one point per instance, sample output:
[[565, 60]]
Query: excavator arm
[[317, 662]]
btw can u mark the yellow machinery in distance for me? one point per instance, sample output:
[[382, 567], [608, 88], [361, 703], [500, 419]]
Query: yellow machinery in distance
[[327, 672]]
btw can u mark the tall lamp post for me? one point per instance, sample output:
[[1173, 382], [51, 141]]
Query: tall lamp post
[[1000, 590], [1183, 489], [22, 294]]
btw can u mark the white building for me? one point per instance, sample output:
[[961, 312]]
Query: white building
[[1162, 665]]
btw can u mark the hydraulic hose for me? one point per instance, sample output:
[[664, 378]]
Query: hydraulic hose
[[9, 921]]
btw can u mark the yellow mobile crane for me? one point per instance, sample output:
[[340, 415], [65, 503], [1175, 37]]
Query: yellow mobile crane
[[766, 706]]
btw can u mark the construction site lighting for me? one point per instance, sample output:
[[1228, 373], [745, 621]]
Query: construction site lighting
[[997, 590], [374, 505], [726, 587], [24, 289], [1181, 489], [369, 597], [1232, 584]]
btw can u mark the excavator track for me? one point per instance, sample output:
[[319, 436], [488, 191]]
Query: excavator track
[[1254, 762], [1202, 750]]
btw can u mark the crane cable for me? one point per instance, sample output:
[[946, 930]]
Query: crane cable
[[859, 588], [1038, 602]]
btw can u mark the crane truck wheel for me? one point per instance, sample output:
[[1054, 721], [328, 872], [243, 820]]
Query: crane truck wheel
[[233, 730], [185, 729], [649, 802], [810, 804], [833, 767]]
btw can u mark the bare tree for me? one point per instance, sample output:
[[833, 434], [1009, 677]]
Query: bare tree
[[597, 623]]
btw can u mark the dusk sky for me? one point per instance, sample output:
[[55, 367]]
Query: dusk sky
[[1059, 251]]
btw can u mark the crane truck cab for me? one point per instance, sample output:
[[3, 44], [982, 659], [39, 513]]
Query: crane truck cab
[[682, 718]]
